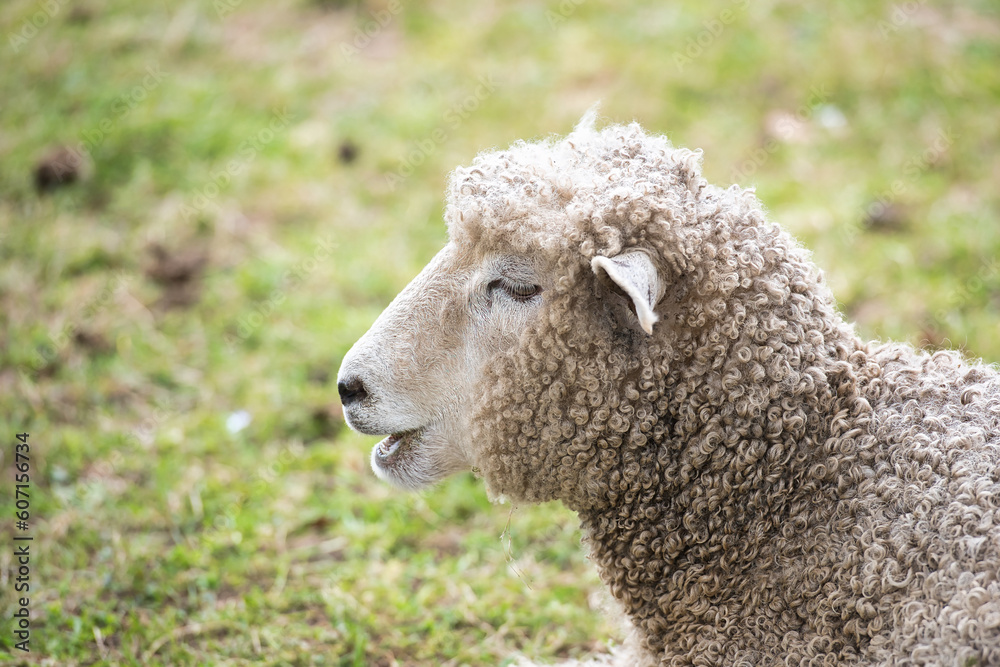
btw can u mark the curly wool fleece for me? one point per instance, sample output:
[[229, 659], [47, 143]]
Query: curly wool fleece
[[756, 484]]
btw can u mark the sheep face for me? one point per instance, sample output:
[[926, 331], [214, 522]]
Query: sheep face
[[512, 349], [414, 374]]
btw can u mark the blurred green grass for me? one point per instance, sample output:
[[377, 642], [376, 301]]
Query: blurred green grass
[[868, 128]]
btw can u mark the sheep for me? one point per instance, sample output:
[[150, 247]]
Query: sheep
[[756, 484]]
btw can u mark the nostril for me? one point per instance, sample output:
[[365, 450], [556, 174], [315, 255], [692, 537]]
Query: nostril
[[352, 391]]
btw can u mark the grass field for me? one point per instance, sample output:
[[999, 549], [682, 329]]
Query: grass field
[[258, 179]]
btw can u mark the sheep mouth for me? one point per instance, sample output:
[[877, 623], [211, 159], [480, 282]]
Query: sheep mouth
[[395, 446]]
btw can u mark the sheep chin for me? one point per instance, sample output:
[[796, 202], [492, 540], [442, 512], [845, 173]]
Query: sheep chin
[[401, 461], [387, 451]]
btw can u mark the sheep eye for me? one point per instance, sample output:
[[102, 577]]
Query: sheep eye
[[515, 290]]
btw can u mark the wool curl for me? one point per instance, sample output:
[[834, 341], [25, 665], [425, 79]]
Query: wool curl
[[756, 484]]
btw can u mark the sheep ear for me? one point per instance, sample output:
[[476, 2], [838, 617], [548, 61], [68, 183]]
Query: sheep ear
[[634, 273]]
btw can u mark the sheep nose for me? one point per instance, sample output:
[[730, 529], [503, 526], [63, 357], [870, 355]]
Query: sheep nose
[[352, 391]]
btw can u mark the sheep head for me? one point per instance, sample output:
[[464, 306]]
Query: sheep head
[[581, 276]]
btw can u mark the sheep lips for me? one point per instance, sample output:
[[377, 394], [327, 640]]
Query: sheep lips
[[394, 447]]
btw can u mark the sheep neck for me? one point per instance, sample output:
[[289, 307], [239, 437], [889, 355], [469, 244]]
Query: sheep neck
[[698, 517]]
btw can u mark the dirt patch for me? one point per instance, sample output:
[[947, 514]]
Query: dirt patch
[[178, 272], [59, 166], [890, 217], [324, 423], [92, 341], [347, 152]]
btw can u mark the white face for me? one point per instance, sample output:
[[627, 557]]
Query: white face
[[414, 375]]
